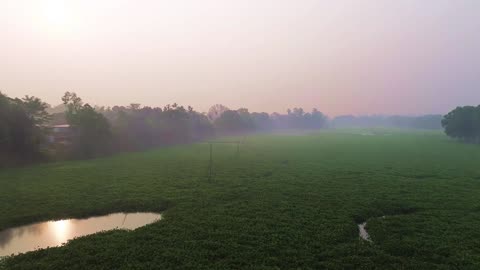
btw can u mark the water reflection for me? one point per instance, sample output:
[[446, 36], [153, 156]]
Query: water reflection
[[56, 233]]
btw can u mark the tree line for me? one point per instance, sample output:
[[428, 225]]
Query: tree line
[[25, 125], [226, 121], [395, 121]]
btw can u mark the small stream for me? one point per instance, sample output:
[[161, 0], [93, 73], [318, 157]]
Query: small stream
[[55, 233], [363, 232]]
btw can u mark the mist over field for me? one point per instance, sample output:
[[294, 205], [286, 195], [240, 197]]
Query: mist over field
[[221, 134]]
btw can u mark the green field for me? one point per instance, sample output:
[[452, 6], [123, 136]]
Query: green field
[[286, 202]]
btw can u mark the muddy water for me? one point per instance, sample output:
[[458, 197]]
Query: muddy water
[[55, 233]]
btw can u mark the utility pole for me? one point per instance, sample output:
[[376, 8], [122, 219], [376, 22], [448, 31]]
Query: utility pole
[[210, 165]]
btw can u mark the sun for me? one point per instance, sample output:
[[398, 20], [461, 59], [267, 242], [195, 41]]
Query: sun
[[57, 16]]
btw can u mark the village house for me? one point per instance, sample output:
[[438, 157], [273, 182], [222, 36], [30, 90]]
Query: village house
[[60, 134]]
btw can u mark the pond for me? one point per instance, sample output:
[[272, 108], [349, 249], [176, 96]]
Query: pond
[[55, 233]]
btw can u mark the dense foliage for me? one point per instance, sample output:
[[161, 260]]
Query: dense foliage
[[137, 127], [22, 129], [91, 134], [286, 202], [463, 123], [97, 131], [299, 119]]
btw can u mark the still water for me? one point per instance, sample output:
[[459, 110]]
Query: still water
[[55, 233], [363, 232]]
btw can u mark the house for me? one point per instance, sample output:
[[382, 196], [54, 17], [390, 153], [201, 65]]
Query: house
[[60, 134]]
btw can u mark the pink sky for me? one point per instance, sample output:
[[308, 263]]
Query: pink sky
[[340, 56]]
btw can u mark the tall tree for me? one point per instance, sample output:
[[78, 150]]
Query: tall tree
[[230, 122], [91, 130], [216, 111], [463, 123], [21, 133], [35, 109]]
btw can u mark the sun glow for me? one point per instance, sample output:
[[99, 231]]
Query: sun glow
[[57, 16], [60, 230]]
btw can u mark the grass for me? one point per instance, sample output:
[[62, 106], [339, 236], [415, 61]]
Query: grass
[[287, 202]]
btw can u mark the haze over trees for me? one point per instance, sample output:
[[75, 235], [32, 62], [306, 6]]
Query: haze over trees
[[395, 121], [216, 111], [97, 131], [136, 127], [25, 126]]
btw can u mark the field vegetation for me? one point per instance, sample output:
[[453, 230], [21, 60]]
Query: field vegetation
[[284, 202]]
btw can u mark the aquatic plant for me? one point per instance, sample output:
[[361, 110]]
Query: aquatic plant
[[286, 202]]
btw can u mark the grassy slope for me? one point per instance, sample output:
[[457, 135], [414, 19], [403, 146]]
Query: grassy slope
[[286, 202]]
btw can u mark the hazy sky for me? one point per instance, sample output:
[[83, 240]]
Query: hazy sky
[[341, 56]]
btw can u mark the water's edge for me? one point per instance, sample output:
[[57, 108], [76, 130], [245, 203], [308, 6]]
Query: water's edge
[[362, 232], [56, 233]]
